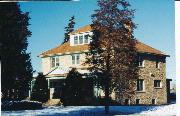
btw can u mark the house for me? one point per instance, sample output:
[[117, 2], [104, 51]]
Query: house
[[152, 87]]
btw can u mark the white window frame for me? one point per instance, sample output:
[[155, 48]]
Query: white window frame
[[85, 38], [82, 39], [76, 61], [143, 85], [160, 84], [72, 38], [76, 36], [56, 61]]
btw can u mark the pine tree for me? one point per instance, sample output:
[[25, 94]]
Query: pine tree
[[113, 54], [40, 89], [16, 63], [69, 29], [72, 90]]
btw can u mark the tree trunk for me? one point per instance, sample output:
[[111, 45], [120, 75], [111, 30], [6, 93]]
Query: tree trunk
[[107, 97]]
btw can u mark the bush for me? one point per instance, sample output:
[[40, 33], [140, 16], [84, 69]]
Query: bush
[[20, 105], [40, 90]]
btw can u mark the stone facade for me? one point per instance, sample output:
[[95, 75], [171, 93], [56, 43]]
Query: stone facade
[[149, 72]]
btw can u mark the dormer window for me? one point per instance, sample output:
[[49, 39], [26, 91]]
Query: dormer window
[[75, 40], [81, 39]]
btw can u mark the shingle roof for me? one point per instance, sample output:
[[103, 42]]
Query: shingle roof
[[66, 48], [83, 29]]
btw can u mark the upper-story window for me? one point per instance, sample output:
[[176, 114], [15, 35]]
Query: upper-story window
[[86, 39], [81, 39], [157, 83], [140, 62], [54, 61], [140, 85], [75, 59], [75, 40], [157, 64]]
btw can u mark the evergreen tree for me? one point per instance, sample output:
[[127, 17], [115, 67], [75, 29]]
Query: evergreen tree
[[72, 90], [112, 54], [69, 29], [40, 89], [16, 64]]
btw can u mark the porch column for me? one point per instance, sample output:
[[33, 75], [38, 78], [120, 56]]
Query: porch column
[[48, 84]]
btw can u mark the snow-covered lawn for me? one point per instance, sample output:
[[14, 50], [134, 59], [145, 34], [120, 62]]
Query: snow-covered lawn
[[167, 110]]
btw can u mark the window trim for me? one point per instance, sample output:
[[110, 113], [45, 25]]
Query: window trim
[[85, 38], [76, 36], [76, 59], [143, 86], [55, 61], [160, 84], [82, 39], [73, 59]]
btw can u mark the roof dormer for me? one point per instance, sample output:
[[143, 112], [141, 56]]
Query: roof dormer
[[80, 38]]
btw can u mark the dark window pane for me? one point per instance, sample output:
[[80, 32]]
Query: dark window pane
[[140, 85], [75, 40], [137, 101], [157, 83], [153, 101], [86, 38], [81, 39], [77, 59], [73, 59], [127, 102]]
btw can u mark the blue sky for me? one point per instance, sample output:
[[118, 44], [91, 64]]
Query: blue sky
[[154, 19]]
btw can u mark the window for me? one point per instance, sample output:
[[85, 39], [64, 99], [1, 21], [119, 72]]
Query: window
[[157, 64], [73, 59], [76, 59], [157, 83], [140, 85], [75, 40], [57, 61], [127, 102], [81, 39], [153, 101], [54, 61], [140, 62], [137, 101], [86, 38]]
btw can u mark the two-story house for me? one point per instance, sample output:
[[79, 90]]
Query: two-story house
[[151, 87]]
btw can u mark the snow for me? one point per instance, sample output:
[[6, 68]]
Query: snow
[[164, 110]]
